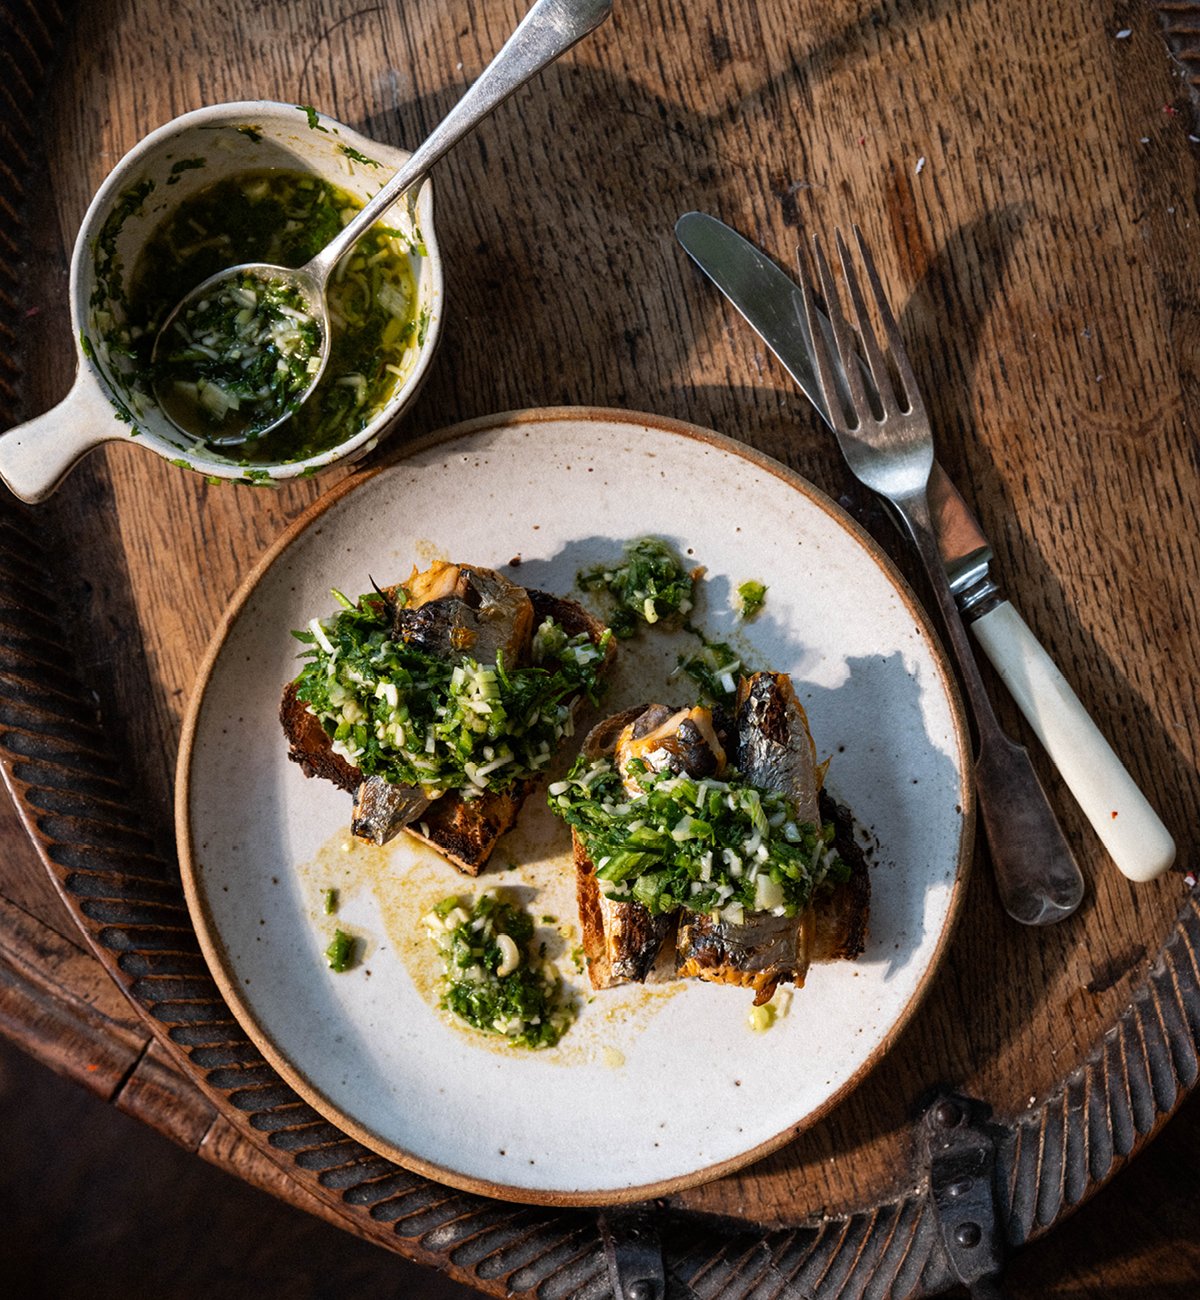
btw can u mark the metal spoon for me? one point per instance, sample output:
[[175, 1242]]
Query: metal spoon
[[547, 31]]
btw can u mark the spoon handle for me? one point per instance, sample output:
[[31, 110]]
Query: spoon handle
[[547, 31]]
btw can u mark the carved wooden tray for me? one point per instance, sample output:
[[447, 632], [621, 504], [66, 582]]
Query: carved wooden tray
[[1052, 277]]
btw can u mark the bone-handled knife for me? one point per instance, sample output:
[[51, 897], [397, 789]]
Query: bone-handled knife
[[1126, 824]]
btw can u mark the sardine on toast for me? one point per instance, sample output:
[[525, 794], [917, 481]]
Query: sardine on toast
[[774, 750], [621, 939], [711, 827], [439, 702]]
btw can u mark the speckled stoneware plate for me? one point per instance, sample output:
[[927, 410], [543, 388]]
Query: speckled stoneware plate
[[654, 1087]]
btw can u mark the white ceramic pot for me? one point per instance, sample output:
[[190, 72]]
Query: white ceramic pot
[[105, 404]]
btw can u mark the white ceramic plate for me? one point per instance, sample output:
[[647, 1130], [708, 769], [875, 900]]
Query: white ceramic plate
[[654, 1088]]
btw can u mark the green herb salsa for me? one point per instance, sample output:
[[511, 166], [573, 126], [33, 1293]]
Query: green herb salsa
[[714, 668], [495, 979], [341, 953], [705, 844], [396, 710], [650, 584], [240, 358], [752, 596], [282, 217], [652, 587]]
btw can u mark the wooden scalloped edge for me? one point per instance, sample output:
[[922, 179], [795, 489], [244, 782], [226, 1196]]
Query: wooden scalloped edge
[[1180, 24], [67, 786]]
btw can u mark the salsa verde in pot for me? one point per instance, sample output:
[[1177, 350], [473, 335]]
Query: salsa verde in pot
[[284, 217]]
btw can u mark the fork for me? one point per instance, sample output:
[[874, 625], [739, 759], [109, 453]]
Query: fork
[[889, 448]]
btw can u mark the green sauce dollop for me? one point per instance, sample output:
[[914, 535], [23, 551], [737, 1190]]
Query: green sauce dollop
[[495, 980], [648, 585]]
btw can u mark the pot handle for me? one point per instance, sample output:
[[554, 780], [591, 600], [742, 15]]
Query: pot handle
[[36, 456]]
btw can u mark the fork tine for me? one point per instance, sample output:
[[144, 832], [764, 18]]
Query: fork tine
[[912, 391], [876, 361], [843, 338]]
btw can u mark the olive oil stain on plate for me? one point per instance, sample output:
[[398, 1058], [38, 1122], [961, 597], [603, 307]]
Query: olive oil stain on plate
[[405, 879]]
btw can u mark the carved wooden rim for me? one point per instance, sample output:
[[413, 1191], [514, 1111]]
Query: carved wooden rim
[[81, 817]]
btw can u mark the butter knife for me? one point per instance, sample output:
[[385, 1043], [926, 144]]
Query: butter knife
[[1126, 824]]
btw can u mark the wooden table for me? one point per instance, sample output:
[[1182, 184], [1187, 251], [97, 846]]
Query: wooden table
[[1029, 187]]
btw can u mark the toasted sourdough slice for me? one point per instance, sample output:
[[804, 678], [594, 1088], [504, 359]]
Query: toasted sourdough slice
[[622, 941], [840, 929], [462, 830]]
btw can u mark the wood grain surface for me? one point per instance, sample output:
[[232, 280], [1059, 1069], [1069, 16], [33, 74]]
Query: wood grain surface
[[1029, 188]]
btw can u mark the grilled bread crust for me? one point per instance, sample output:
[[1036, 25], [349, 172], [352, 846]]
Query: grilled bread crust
[[591, 921], [310, 746], [841, 916], [464, 831]]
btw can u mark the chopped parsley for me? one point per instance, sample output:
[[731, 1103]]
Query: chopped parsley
[[649, 584], [355, 156], [714, 668], [183, 165], [495, 979], [341, 952], [314, 118], [705, 844], [751, 598], [396, 710]]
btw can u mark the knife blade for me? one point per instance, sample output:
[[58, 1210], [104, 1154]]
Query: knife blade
[[1129, 828], [770, 303]]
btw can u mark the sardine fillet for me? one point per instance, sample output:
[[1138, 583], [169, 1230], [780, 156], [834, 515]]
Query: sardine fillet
[[381, 809], [759, 955], [773, 750]]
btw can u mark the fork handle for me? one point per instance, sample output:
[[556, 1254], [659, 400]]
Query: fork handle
[[1037, 876]]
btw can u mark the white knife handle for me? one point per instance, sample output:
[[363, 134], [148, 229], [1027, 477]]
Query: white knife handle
[[1128, 827]]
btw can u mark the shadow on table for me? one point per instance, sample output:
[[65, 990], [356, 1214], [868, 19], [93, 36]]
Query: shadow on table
[[95, 1204]]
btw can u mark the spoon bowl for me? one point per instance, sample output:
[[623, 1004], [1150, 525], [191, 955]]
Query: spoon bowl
[[174, 379]]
